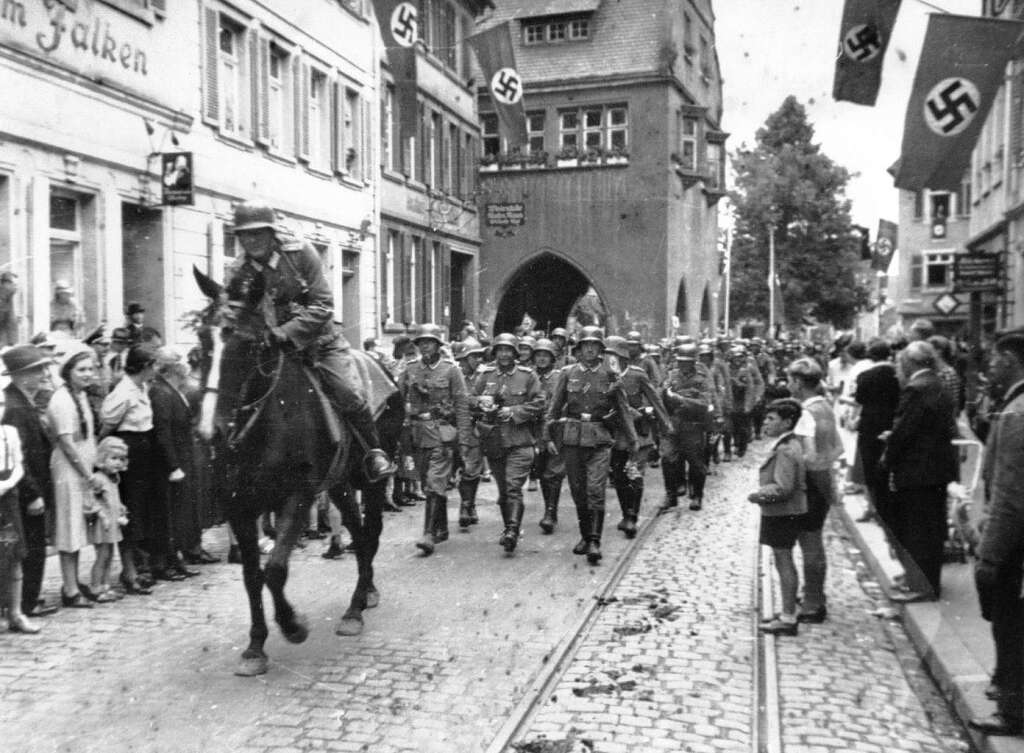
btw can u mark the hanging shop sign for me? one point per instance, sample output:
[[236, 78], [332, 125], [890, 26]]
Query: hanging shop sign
[[176, 178], [977, 273]]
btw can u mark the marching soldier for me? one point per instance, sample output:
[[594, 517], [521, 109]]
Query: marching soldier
[[627, 468], [766, 368], [720, 392], [508, 401], [588, 401], [469, 354], [525, 351], [689, 398], [560, 339], [438, 411], [550, 467], [639, 357]]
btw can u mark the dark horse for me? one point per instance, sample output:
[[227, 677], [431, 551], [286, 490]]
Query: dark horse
[[281, 449]]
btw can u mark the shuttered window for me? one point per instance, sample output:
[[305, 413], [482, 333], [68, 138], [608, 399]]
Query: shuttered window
[[230, 90]]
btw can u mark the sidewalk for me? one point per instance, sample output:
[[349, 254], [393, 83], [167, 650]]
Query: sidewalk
[[950, 635]]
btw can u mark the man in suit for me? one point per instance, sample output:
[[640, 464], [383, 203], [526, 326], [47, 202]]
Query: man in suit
[[921, 461], [998, 572], [878, 394], [28, 368]]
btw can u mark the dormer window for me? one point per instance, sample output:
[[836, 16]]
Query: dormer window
[[556, 30]]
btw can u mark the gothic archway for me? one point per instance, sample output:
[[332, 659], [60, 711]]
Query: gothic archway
[[549, 289]]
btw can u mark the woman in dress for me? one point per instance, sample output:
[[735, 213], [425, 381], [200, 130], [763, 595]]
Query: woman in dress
[[71, 464]]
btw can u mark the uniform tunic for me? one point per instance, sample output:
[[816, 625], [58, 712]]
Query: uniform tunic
[[689, 398]]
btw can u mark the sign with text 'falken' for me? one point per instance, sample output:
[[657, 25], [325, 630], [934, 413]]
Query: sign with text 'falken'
[[978, 273], [505, 215]]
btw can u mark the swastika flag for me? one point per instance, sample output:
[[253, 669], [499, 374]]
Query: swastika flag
[[961, 68], [399, 27], [497, 60], [886, 243], [863, 39]]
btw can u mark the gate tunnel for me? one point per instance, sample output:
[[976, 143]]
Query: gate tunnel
[[549, 289]]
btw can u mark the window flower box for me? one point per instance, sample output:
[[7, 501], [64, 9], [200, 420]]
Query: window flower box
[[616, 157], [568, 156]]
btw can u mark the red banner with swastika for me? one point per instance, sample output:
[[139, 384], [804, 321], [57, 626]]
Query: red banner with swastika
[[961, 69], [497, 60], [863, 39], [399, 24]]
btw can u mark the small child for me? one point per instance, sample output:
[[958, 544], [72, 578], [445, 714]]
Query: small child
[[107, 514], [783, 501]]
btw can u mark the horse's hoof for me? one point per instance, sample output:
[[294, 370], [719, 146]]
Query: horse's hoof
[[299, 631], [250, 666], [350, 625], [372, 598]]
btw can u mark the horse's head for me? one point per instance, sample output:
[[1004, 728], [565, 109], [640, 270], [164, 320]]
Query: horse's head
[[231, 333]]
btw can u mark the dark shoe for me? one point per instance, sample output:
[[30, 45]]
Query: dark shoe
[[593, 552], [78, 601], [146, 580], [390, 506], [465, 521], [696, 503], [40, 609], [509, 539], [780, 627], [21, 624], [996, 724], [86, 591], [817, 616], [135, 587], [169, 575], [234, 555], [182, 570], [473, 517], [628, 527], [581, 547], [910, 597], [405, 500], [547, 525], [333, 552], [669, 503]]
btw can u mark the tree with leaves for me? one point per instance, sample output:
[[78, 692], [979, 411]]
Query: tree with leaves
[[787, 183]]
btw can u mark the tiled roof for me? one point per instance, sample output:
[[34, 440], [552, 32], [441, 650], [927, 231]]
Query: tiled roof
[[538, 8], [626, 36]]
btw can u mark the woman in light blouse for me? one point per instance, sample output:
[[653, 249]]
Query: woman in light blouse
[[127, 413], [71, 462]]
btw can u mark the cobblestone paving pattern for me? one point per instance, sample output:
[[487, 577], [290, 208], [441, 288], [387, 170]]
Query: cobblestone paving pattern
[[439, 667], [682, 682]]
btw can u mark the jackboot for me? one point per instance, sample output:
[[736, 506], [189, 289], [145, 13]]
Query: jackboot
[[426, 542], [697, 493], [583, 517], [547, 523], [671, 477], [594, 537], [441, 520], [625, 504], [376, 463], [630, 515], [510, 538], [467, 509]]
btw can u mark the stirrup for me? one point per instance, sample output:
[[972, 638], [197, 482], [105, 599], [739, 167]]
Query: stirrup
[[372, 475]]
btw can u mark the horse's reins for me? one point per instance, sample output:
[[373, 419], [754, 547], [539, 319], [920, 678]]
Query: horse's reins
[[254, 406]]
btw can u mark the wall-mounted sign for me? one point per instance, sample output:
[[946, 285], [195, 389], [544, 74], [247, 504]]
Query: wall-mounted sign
[[977, 273], [505, 215], [176, 178]]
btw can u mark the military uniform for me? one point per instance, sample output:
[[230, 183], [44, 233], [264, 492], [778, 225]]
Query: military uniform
[[550, 467], [648, 415], [585, 403], [471, 461], [508, 444], [438, 411], [689, 399]]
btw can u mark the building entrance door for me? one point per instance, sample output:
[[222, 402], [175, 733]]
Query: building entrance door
[[142, 254]]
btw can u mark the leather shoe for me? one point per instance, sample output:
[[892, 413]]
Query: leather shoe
[[186, 572], [78, 601], [696, 503], [333, 552], [581, 547], [21, 624], [910, 597], [817, 616], [171, 575], [996, 724], [780, 627], [135, 587], [41, 609]]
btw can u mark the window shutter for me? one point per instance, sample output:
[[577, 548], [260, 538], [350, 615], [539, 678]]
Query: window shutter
[[261, 92], [337, 130], [422, 147], [445, 285], [365, 139], [211, 96], [253, 65], [302, 110], [916, 272], [445, 182], [403, 271]]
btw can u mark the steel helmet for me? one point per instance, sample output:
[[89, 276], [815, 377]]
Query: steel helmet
[[472, 347], [686, 352], [617, 345], [634, 338], [253, 215], [560, 332], [429, 332], [528, 341], [591, 334], [507, 339], [705, 350], [544, 345], [737, 351]]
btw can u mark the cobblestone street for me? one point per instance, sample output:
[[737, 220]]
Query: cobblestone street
[[457, 641]]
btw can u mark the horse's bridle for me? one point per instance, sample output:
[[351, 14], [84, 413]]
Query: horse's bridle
[[236, 437]]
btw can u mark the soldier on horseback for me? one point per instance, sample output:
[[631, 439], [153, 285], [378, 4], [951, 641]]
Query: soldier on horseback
[[299, 309]]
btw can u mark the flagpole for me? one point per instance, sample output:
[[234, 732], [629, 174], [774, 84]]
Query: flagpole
[[728, 278], [771, 281]]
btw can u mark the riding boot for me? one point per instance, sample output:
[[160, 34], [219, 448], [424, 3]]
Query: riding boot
[[376, 462], [547, 523], [467, 508], [583, 517], [625, 503], [426, 542], [510, 538], [632, 510], [594, 537], [668, 472], [441, 519], [697, 493]]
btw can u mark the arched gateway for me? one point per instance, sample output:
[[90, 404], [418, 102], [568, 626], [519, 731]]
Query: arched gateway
[[549, 289]]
